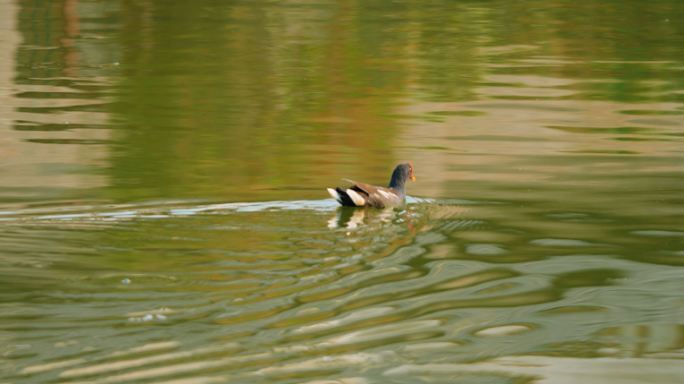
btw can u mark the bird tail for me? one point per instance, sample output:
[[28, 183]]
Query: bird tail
[[348, 198]]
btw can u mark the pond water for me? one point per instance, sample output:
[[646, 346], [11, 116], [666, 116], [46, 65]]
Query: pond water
[[164, 218]]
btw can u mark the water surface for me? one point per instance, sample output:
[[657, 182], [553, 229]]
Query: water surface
[[163, 214]]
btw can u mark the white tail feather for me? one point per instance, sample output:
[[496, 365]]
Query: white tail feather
[[335, 195], [358, 200]]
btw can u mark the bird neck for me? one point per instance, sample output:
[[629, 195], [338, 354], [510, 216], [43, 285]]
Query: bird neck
[[398, 182]]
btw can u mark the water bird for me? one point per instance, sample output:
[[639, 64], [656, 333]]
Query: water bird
[[366, 195]]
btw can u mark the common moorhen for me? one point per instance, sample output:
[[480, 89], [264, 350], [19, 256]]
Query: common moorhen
[[366, 195]]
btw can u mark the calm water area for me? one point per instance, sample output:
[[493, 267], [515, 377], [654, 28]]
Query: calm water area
[[164, 215]]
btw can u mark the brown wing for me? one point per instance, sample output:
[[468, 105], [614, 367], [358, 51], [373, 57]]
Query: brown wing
[[377, 197], [364, 188]]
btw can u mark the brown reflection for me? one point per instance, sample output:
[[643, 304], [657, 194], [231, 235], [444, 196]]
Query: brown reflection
[[282, 104], [642, 340], [46, 118], [71, 27]]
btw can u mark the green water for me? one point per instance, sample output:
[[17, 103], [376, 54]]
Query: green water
[[164, 218]]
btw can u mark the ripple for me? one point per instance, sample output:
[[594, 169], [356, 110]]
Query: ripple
[[650, 112], [352, 317], [269, 299], [524, 92], [562, 243], [132, 279], [485, 249], [383, 333], [143, 361], [659, 233], [330, 363], [502, 330], [530, 80], [559, 369]]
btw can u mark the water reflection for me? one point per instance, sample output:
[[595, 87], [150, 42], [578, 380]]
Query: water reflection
[[352, 218], [56, 130]]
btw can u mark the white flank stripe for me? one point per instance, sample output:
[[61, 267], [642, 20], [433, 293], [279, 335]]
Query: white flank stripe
[[386, 194], [335, 195], [358, 200]]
